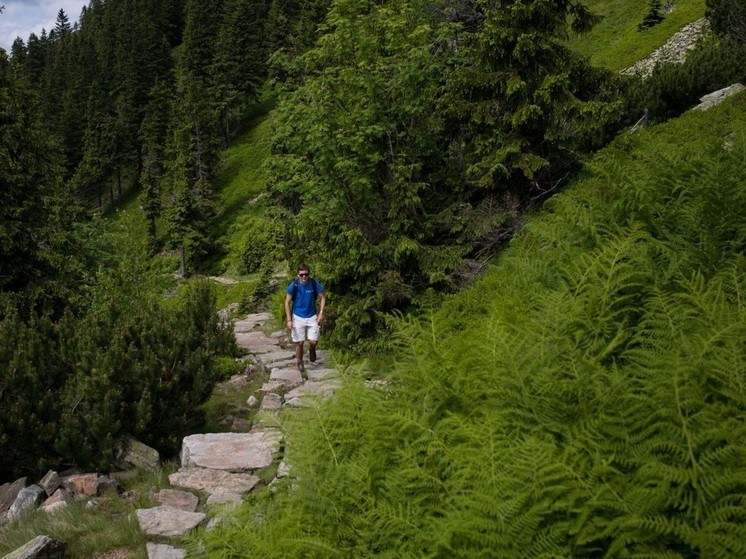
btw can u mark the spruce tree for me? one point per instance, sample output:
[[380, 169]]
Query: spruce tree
[[521, 103], [34, 208]]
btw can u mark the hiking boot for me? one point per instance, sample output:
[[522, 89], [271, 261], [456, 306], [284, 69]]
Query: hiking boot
[[312, 354], [302, 369]]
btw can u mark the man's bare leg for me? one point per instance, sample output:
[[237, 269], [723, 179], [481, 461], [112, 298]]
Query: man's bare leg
[[299, 356]]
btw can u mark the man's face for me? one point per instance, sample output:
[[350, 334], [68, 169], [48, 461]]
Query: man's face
[[303, 275]]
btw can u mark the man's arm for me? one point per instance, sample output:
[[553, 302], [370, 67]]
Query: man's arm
[[288, 314], [322, 306]]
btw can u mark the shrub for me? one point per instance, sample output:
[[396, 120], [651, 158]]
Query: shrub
[[675, 88]]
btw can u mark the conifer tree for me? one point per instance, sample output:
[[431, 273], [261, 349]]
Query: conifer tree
[[522, 104], [153, 133], [36, 213], [239, 58]]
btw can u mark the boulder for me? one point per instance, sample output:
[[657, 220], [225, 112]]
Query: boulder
[[41, 547], [9, 492], [131, 453], [716, 97], [28, 499], [50, 482]]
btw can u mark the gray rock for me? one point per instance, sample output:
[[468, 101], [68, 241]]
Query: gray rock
[[289, 377], [223, 497], [256, 342], [251, 322], [58, 498], [304, 394], [212, 481], [271, 402], [131, 453], [283, 356], [163, 551], [28, 499], [272, 386], [321, 374], [240, 424], [283, 470], [168, 521], [9, 492], [50, 482], [252, 402], [178, 499], [716, 97], [41, 547], [232, 452]]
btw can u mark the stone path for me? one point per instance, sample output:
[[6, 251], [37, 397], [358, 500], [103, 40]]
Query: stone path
[[223, 467]]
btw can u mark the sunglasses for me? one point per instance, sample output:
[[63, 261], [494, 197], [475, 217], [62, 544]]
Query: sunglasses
[[303, 275]]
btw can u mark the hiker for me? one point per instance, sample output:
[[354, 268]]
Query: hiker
[[302, 294]]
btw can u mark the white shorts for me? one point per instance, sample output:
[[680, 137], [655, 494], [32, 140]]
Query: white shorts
[[301, 326]]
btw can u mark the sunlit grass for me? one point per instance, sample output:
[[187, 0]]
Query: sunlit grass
[[615, 42]]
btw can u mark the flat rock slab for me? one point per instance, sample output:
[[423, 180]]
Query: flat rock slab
[[304, 394], [178, 499], [320, 374], [213, 481], [291, 377], [250, 322], [168, 521], [278, 357], [232, 452], [256, 342], [163, 551]]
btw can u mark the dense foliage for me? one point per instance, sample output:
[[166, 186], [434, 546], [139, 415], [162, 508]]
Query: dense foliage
[[414, 133], [72, 388], [35, 211], [585, 398]]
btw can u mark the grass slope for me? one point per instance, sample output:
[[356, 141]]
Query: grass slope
[[615, 42]]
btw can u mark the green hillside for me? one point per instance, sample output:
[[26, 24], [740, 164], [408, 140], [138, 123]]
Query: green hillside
[[585, 398], [616, 43]]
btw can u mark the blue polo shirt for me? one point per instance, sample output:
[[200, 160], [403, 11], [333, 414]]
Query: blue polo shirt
[[304, 305]]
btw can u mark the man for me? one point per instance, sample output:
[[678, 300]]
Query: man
[[301, 297]]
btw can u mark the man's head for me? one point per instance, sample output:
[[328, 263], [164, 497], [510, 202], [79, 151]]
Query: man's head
[[303, 272]]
